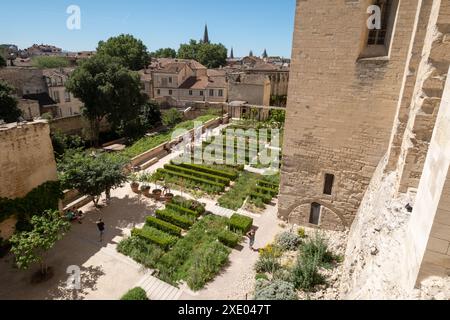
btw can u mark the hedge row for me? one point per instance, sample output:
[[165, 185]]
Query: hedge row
[[268, 184], [204, 176], [177, 219], [136, 294], [264, 197], [182, 210], [268, 191], [228, 238], [155, 236], [189, 204], [219, 186], [163, 226], [240, 223], [219, 173]]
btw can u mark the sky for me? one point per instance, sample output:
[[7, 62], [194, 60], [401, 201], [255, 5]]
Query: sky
[[242, 24]]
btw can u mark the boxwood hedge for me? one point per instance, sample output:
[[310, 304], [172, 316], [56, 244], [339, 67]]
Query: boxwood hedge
[[175, 218], [240, 223], [155, 236], [163, 226]]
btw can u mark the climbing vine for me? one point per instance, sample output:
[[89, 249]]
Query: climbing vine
[[36, 202]]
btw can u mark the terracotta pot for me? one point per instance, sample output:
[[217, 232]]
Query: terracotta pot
[[135, 187], [157, 194], [146, 192], [169, 197]]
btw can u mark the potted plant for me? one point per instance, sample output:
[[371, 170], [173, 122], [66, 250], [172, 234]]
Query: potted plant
[[156, 192], [145, 188], [168, 195], [134, 182]]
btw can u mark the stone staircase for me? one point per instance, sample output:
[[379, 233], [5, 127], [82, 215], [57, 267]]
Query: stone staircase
[[159, 290]]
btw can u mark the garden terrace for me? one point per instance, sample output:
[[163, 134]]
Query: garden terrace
[[236, 196], [197, 257]]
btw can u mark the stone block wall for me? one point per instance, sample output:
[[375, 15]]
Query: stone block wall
[[341, 108]]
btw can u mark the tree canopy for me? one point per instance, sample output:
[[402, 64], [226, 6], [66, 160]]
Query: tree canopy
[[129, 51], [29, 247], [2, 61], [92, 175], [210, 55], [9, 112], [107, 90], [164, 53], [172, 117]]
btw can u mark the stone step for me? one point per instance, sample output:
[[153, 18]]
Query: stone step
[[158, 290]]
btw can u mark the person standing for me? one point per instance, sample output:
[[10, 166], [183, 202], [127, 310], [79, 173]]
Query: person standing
[[251, 236], [101, 228]]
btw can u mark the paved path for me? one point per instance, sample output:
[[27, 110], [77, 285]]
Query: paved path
[[158, 290]]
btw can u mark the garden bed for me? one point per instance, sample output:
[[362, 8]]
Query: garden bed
[[195, 258]]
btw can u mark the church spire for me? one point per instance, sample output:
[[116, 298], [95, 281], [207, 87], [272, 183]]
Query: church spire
[[206, 35]]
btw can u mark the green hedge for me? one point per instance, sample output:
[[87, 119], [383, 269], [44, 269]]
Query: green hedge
[[205, 176], [135, 294], [264, 197], [268, 191], [219, 173], [182, 210], [163, 226], [267, 184], [175, 218], [228, 238], [155, 236], [240, 223], [189, 204], [220, 187]]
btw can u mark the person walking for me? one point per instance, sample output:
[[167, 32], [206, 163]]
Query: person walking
[[101, 228], [251, 236]]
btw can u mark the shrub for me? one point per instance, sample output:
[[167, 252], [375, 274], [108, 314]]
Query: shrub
[[230, 239], [264, 198], [172, 117], [288, 241], [135, 294], [261, 276], [269, 259], [234, 199], [189, 204], [318, 247], [183, 210], [305, 274], [208, 263], [179, 220], [141, 251], [266, 191], [163, 226], [240, 223], [302, 233], [155, 236], [283, 274], [275, 290]]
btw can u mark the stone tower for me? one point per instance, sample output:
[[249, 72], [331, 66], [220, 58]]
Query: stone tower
[[351, 92], [206, 35]]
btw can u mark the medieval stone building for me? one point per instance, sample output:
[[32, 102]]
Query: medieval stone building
[[366, 104]]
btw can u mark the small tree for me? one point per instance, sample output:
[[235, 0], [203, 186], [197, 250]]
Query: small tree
[[2, 61], [30, 247], [9, 112], [92, 175], [172, 117]]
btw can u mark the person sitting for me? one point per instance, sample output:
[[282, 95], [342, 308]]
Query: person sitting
[[79, 216], [70, 215]]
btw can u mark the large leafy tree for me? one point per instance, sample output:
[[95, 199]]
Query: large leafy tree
[[2, 61], [131, 52], [92, 175], [164, 53], [210, 55], [107, 90], [29, 247], [9, 112]]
